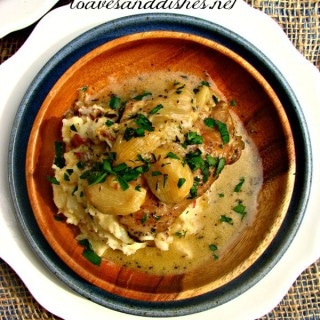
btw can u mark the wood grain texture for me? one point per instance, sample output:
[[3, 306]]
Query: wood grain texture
[[257, 106]]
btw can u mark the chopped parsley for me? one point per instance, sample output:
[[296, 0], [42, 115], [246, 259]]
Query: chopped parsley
[[224, 218], [73, 128], [205, 83], [222, 128], [194, 188], [66, 177], [181, 182], [59, 217], [215, 99], [233, 103], [74, 190], [156, 109], [238, 187], [212, 162], [123, 173], [59, 159], [129, 133], [141, 96], [192, 138], [80, 165], [143, 123], [172, 156], [53, 180], [209, 122], [89, 253], [240, 208], [109, 123], [115, 103], [179, 89], [195, 161], [165, 179], [181, 234], [220, 166], [144, 218], [213, 248]]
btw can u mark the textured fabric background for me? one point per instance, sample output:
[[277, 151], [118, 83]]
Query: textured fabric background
[[300, 20]]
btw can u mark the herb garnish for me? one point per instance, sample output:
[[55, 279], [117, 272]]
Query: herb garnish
[[81, 165], [123, 173], [195, 161], [214, 248], [222, 127], [109, 123], [59, 217], [238, 187], [141, 96], [215, 99], [144, 218], [115, 102], [73, 128], [205, 83], [156, 109], [53, 180], [240, 208], [59, 159], [172, 156], [224, 218], [143, 123], [179, 89], [89, 253], [165, 179], [181, 182], [220, 166], [194, 188], [181, 234], [192, 138]]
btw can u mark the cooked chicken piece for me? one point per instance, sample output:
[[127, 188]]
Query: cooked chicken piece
[[156, 216]]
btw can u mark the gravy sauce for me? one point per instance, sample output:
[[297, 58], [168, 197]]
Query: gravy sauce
[[208, 226]]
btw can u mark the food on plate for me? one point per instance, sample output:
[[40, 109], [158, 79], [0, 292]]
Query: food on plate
[[136, 166]]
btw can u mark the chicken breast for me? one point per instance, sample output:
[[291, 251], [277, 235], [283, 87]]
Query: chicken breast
[[156, 216]]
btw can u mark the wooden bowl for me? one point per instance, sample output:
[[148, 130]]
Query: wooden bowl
[[267, 113]]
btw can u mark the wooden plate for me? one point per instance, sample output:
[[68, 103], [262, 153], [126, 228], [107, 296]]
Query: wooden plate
[[266, 118]]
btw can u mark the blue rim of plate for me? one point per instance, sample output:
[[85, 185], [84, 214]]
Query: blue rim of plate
[[39, 89]]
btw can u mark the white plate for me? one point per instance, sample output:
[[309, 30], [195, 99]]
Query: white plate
[[18, 14], [15, 77]]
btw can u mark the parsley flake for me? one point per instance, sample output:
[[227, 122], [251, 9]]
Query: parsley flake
[[238, 187], [181, 182], [156, 109]]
